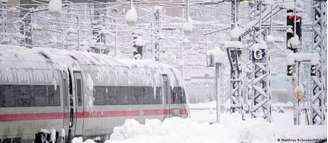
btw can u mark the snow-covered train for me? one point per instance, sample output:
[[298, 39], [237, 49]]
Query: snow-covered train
[[77, 93]]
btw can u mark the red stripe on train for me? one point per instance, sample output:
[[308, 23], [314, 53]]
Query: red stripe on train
[[31, 116], [96, 114]]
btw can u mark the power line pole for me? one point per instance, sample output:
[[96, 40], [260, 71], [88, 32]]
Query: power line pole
[[261, 97], [234, 55], [157, 30], [234, 12], [319, 90], [3, 22]]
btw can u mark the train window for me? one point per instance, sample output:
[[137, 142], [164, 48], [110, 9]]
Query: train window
[[7, 98], [79, 91], [23, 95], [78, 87], [184, 98], [158, 95], [98, 92], [174, 95], [123, 95], [53, 95], [114, 93], [139, 95], [149, 97], [133, 95], [39, 93], [70, 84], [29, 95], [178, 95], [65, 91], [109, 95], [106, 95]]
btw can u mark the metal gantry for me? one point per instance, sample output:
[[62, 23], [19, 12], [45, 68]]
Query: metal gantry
[[319, 91]]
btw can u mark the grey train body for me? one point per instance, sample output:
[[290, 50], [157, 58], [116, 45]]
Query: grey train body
[[81, 94]]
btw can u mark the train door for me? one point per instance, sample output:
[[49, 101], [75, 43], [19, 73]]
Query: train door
[[73, 104], [69, 105], [78, 90], [167, 95], [65, 97]]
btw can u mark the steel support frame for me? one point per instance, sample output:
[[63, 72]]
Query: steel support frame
[[99, 12], [234, 55], [259, 92], [234, 13], [236, 85], [156, 53], [319, 90], [256, 98], [3, 21], [261, 97], [248, 86]]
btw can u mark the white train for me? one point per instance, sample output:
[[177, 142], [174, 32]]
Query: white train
[[80, 94]]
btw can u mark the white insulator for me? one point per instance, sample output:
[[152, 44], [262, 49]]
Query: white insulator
[[295, 42], [187, 27], [55, 6], [270, 39], [131, 17], [235, 33], [299, 91]]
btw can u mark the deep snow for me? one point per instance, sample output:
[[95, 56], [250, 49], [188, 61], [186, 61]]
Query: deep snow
[[231, 129]]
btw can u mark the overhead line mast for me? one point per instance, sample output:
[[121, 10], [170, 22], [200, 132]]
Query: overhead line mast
[[319, 91]]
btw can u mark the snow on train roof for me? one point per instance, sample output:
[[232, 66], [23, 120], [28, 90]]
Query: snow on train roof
[[43, 56], [21, 65], [16, 58]]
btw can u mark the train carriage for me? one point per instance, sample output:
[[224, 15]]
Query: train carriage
[[81, 94]]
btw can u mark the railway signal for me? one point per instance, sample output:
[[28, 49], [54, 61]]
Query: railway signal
[[313, 70], [295, 21], [290, 70]]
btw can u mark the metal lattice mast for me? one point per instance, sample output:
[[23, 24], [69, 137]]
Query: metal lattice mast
[[98, 22], [261, 97], [249, 75], [234, 13], [157, 30], [234, 55], [261, 93], [3, 20], [319, 91]]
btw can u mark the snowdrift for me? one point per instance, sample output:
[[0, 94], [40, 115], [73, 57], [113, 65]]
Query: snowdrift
[[230, 130]]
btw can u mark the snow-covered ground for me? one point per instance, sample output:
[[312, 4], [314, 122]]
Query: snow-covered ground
[[230, 129]]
